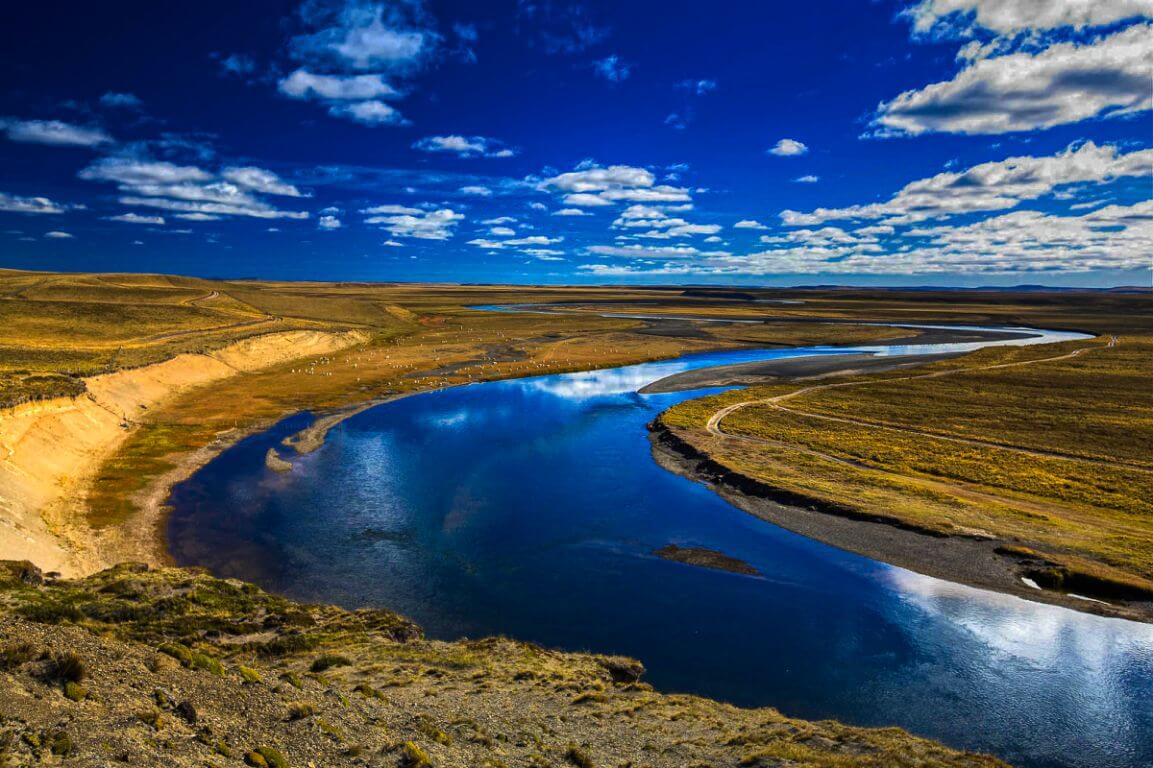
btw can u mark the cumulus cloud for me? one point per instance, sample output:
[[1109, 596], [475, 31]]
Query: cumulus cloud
[[190, 190], [591, 186], [524, 244], [612, 68], [654, 251], [1066, 82], [475, 190], [950, 18], [571, 212], [807, 179], [1112, 238], [992, 186], [658, 225], [367, 112], [788, 148], [353, 52], [260, 180], [464, 146], [361, 35], [136, 218], [403, 221], [329, 222], [33, 205], [53, 133], [749, 224], [58, 235], [303, 84]]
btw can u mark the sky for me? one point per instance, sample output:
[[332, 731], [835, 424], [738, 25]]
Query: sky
[[870, 142]]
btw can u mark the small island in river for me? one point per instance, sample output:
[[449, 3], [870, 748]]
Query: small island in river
[[703, 557]]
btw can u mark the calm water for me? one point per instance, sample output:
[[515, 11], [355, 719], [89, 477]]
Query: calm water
[[530, 508]]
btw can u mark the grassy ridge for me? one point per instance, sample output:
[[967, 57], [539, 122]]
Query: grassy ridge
[[882, 447], [174, 668]]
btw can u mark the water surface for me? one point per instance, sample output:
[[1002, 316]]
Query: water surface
[[531, 507]]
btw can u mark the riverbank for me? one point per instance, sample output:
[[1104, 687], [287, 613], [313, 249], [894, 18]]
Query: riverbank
[[1008, 470], [974, 560], [54, 448]]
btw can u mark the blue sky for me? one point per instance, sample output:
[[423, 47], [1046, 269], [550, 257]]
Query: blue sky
[[960, 142]]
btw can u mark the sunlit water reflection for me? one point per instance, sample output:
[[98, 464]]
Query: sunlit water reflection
[[531, 508]]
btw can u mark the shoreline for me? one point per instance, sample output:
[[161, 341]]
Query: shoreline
[[970, 560], [966, 560]]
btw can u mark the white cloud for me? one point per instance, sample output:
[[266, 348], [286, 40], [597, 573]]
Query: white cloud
[[361, 46], [303, 84], [1063, 83], [809, 179], [136, 218], [190, 190], [749, 224], [502, 232], [464, 146], [475, 190], [54, 133], [260, 180], [611, 68], [329, 222], [992, 186], [653, 251], [788, 148], [401, 221], [1112, 238], [393, 244], [207, 217], [659, 225], [372, 112], [597, 179], [949, 18], [35, 205], [570, 212], [500, 220], [392, 210], [362, 35], [57, 235], [519, 243], [591, 186]]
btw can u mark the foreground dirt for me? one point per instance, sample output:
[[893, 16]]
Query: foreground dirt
[[174, 668]]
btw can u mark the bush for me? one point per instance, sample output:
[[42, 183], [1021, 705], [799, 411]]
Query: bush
[[16, 654], [249, 675], [69, 667], [412, 756], [328, 661], [300, 710]]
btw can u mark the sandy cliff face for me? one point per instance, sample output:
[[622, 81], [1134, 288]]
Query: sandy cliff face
[[50, 451]]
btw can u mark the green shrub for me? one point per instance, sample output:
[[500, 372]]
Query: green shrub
[[328, 661], [249, 675], [69, 667], [16, 654]]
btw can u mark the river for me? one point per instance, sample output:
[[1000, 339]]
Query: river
[[531, 508]]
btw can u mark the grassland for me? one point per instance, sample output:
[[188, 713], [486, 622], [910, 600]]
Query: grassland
[[169, 667], [1057, 459], [1042, 451]]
